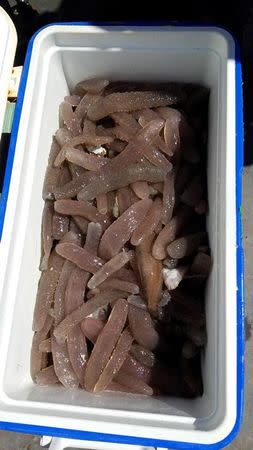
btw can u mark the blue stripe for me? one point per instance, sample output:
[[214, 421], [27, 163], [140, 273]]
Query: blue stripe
[[86, 435]]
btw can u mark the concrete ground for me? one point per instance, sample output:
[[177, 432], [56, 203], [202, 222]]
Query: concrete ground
[[13, 441]]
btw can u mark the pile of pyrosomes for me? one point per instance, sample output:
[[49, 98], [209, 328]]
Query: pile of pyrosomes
[[125, 258]]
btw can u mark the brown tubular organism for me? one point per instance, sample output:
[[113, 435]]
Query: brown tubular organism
[[125, 254]]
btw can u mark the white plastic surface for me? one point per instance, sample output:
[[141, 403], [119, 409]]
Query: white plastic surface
[[62, 444], [8, 43], [62, 56]]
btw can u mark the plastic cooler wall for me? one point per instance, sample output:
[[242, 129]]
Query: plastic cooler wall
[[61, 57]]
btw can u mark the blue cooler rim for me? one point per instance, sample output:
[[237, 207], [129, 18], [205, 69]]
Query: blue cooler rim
[[132, 440]]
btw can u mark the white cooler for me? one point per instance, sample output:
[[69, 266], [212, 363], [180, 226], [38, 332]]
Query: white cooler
[[57, 58]]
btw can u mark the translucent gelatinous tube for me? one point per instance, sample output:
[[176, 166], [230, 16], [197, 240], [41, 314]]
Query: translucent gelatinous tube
[[80, 208], [51, 181], [137, 113], [85, 103], [59, 297], [54, 150], [134, 151], [135, 384], [92, 85], [126, 275], [123, 133], [115, 283], [78, 352], [45, 346], [46, 377], [102, 204], [164, 301], [73, 100], [73, 227], [75, 290], [168, 197], [111, 203], [129, 101], [125, 119], [105, 344], [111, 181], [125, 198], [141, 189], [60, 224], [79, 256], [89, 127], [71, 188], [109, 268], [76, 342], [63, 136], [72, 237], [64, 175], [177, 129], [76, 171], [136, 369], [153, 155], [118, 147], [47, 233], [186, 245], [87, 139], [91, 328], [62, 365], [46, 290], [70, 119], [143, 355], [92, 292], [170, 232], [142, 328], [119, 232], [158, 187], [115, 362], [171, 130], [36, 357], [150, 270], [147, 115], [80, 158], [54, 178], [70, 321], [81, 223], [94, 233], [149, 223], [137, 300]]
